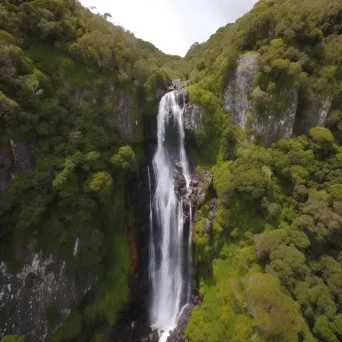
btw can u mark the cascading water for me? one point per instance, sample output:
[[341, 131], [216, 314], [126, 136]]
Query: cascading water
[[169, 274]]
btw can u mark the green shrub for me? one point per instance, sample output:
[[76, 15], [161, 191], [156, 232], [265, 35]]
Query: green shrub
[[13, 338], [7, 37], [321, 135]]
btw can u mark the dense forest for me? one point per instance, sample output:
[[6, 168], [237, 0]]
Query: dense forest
[[80, 95], [74, 90], [271, 267]]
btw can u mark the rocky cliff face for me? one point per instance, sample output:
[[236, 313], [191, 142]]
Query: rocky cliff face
[[126, 118], [15, 158], [123, 104], [35, 300], [314, 114], [193, 117], [193, 113], [273, 123], [237, 93]]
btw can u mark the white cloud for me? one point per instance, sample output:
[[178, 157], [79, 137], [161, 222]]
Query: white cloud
[[172, 25]]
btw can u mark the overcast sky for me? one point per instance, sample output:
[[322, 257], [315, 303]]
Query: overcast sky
[[172, 25]]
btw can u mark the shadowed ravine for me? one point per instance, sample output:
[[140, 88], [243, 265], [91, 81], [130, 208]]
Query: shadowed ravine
[[169, 265]]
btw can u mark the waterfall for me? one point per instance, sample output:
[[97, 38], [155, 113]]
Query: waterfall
[[169, 273], [189, 255], [152, 254]]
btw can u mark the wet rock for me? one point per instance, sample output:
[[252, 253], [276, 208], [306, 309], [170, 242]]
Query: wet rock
[[177, 335], [193, 197], [193, 113], [133, 326], [180, 184], [179, 84], [196, 300], [179, 167], [151, 337], [182, 98], [194, 183]]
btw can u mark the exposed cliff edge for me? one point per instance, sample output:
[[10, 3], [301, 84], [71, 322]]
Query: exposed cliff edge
[[271, 123], [237, 92], [314, 114]]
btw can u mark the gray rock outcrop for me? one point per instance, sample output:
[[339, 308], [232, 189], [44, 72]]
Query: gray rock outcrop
[[124, 116], [314, 114], [179, 85], [193, 113], [274, 122], [277, 124], [237, 93], [193, 117], [35, 300]]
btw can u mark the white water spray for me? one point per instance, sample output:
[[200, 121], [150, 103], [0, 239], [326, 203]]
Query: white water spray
[[168, 271]]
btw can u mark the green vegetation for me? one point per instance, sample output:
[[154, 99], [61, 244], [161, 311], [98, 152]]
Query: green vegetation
[[13, 338], [299, 46], [275, 250], [70, 82], [265, 269]]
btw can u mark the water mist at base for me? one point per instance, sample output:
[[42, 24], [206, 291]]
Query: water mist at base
[[169, 265]]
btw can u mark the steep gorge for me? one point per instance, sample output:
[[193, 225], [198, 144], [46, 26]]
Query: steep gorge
[[256, 126]]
